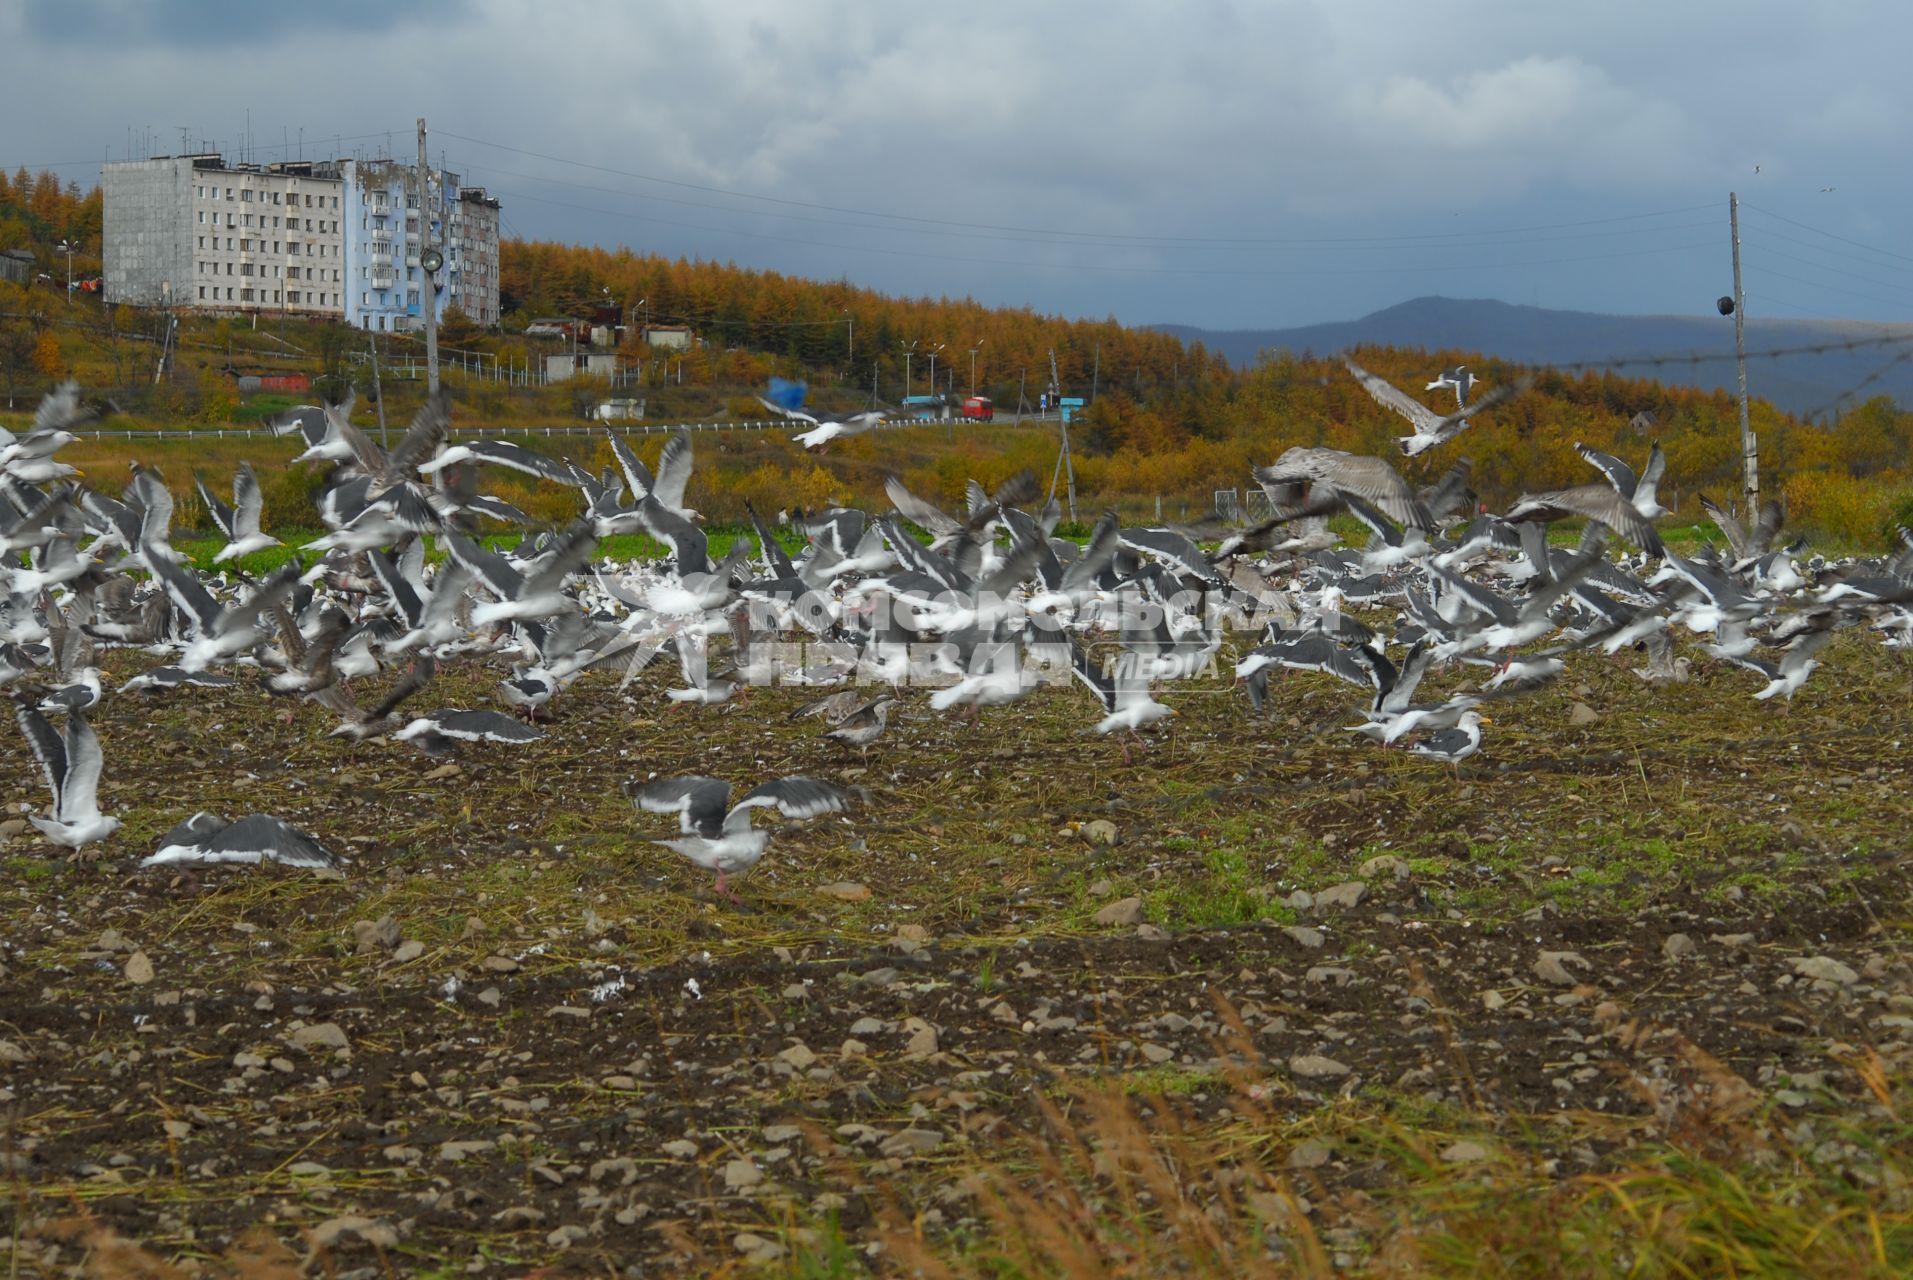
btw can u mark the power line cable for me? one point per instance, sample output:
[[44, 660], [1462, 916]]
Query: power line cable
[[920, 255], [1050, 231], [1098, 239], [1829, 234]]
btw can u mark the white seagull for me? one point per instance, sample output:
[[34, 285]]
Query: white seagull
[[722, 839], [72, 770]]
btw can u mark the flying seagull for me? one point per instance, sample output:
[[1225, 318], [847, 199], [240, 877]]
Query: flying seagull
[[240, 521], [1431, 428], [72, 769], [722, 839]]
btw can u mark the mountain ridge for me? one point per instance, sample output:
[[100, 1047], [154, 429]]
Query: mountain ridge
[[1693, 351]]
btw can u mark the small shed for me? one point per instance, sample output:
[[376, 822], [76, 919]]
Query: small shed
[[16, 265]]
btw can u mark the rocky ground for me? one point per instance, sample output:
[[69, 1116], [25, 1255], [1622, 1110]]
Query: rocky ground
[[516, 1034]]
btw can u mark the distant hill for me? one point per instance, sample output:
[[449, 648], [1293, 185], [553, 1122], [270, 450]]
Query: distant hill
[[1800, 384]]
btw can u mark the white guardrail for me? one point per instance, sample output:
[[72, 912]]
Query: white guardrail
[[628, 428]]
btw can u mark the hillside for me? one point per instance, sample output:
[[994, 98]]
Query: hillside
[[1696, 351]]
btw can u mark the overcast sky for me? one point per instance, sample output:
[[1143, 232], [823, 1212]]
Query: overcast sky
[[1224, 163]]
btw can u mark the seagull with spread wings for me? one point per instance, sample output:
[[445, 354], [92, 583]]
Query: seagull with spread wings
[[1431, 428], [718, 835]]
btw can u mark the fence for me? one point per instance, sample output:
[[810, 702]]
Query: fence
[[582, 429]]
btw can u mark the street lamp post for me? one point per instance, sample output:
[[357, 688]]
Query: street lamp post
[[933, 367], [973, 350], [67, 247], [906, 368]]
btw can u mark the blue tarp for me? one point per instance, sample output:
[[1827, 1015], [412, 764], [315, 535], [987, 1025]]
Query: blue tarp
[[786, 394]]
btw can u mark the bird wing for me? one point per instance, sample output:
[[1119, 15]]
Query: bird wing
[[183, 586], [637, 476], [1596, 502], [572, 553], [261, 837], [1385, 393], [1365, 477], [404, 593], [917, 511], [47, 749], [699, 802], [248, 502], [674, 470], [1728, 527], [79, 791], [689, 547], [1650, 476], [792, 797], [221, 513], [496, 571], [795, 414], [424, 438], [417, 678], [1618, 473]]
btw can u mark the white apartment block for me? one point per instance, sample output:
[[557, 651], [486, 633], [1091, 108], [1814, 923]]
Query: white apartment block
[[312, 238], [186, 231]]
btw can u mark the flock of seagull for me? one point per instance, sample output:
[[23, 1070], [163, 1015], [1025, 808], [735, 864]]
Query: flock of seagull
[[988, 609]]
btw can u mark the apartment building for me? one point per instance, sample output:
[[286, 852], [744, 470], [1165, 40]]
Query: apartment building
[[339, 239], [187, 231]]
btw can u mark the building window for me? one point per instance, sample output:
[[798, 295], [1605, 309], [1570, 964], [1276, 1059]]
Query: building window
[[202, 293], [245, 195]]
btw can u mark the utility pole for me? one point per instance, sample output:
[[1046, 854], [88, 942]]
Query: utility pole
[[1096, 373], [378, 391], [428, 284], [1750, 458], [1064, 463]]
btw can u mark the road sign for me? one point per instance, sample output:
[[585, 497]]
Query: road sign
[[1071, 402]]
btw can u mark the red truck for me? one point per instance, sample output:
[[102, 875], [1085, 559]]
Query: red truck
[[978, 409]]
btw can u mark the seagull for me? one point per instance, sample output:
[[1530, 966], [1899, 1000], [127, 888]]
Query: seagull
[[1124, 693], [1454, 745], [206, 839], [240, 521], [72, 769], [535, 593], [1431, 428], [174, 678], [1796, 664], [864, 724], [721, 839], [1349, 473], [849, 425], [435, 734], [1459, 380]]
